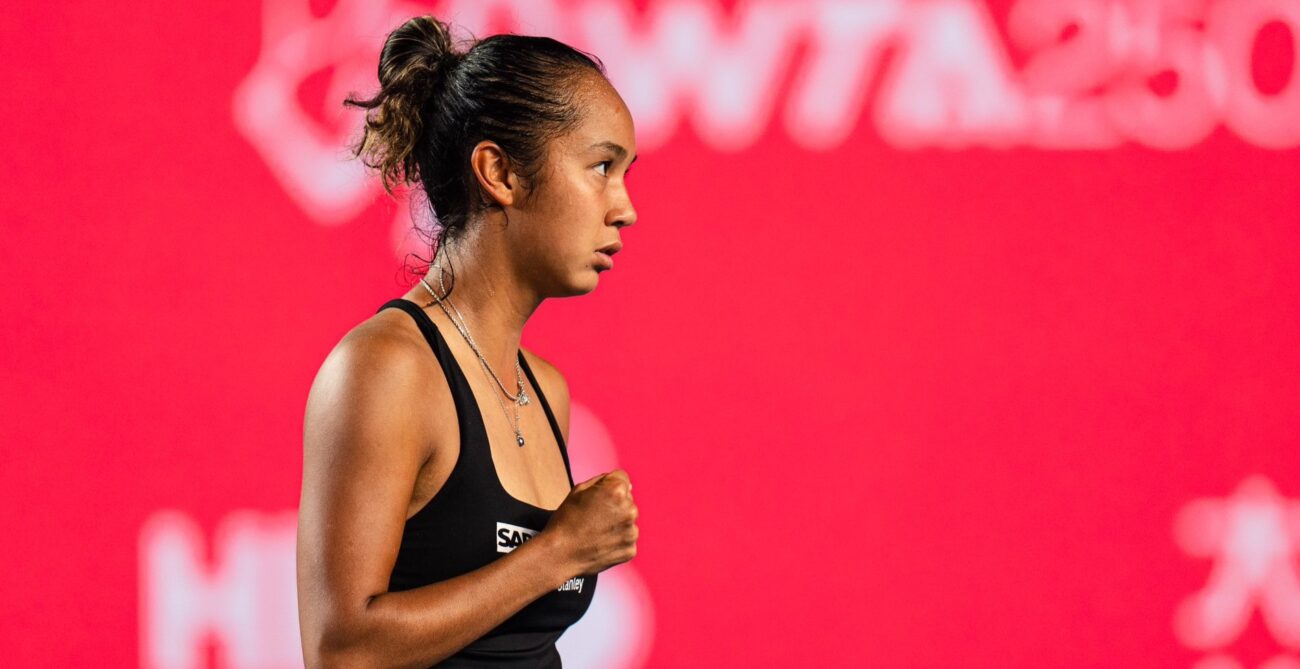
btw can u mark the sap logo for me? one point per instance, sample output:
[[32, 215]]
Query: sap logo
[[510, 537]]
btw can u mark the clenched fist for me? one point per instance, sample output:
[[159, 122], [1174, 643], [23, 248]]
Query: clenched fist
[[596, 524]]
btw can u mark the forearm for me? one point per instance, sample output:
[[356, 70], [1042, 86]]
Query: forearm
[[420, 627]]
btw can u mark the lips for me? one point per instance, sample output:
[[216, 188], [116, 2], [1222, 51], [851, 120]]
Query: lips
[[604, 259], [610, 249], [605, 254]]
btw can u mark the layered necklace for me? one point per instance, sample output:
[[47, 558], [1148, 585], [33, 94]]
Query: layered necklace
[[521, 396]]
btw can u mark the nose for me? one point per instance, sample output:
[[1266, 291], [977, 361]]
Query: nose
[[621, 217]]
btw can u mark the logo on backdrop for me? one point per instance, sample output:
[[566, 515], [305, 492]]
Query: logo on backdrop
[[1097, 74], [1252, 538]]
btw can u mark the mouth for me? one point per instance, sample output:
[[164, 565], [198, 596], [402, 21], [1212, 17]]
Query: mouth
[[605, 254], [611, 248]]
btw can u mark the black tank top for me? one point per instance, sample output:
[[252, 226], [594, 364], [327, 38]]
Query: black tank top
[[472, 521]]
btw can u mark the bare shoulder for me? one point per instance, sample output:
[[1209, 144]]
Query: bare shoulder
[[380, 372], [553, 385], [378, 350], [367, 433]]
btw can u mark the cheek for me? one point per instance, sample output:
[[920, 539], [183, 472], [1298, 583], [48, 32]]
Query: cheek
[[558, 242], [566, 223], [571, 228]]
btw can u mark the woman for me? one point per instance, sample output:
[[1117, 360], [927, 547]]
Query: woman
[[439, 522]]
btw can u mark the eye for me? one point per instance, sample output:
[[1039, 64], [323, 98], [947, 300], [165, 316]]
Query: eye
[[605, 164]]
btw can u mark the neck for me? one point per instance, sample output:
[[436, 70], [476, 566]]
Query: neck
[[488, 293]]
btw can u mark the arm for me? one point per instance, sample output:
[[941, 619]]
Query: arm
[[363, 445]]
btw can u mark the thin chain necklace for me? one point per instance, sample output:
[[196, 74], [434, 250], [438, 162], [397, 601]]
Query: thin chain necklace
[[522, 397]]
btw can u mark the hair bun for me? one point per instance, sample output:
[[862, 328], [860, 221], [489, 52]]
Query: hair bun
[[417, 53], [414, 62]]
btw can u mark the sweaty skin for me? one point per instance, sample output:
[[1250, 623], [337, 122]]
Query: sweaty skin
[[381, 435]]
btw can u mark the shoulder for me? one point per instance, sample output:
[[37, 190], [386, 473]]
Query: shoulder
[[377, 379], [380, 351], [554, 385]]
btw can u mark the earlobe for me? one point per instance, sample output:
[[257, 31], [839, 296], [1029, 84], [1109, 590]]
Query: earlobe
[[492, 169]]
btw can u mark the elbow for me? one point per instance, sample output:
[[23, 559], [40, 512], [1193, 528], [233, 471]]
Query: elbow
[[335, 645], [329, 654], [358, 639]]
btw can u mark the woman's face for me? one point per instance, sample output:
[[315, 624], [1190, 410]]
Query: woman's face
[[582, 200]]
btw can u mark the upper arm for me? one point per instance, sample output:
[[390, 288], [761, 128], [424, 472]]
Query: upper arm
[[556, 388], [363, 446]]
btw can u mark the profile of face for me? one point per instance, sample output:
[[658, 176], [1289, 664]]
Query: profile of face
[[581, 201]]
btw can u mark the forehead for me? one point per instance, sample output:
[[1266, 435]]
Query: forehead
[[605, 117]]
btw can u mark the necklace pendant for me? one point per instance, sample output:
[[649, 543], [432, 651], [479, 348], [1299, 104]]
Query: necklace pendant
[[519, 438], [523, 398]]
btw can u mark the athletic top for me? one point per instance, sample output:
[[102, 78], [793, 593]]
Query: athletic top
[[472, 521]]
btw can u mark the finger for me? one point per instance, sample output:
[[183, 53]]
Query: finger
[[590, 482]]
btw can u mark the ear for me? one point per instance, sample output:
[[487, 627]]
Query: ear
[[492, 169]]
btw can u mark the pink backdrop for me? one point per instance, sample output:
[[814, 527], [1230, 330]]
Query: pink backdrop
[[951, 334]]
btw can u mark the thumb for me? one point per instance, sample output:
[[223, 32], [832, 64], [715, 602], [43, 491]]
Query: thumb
[[589, 482]]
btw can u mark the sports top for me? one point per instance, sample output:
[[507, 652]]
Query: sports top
[[472, 521]]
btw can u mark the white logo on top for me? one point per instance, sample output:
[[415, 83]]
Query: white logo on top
[[510, 537], [946, 77]]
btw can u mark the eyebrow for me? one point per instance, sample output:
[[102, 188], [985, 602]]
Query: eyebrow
[[615, 148]]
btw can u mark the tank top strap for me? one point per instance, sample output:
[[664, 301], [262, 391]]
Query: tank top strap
[[433, 336], [472, 430], [555, 427]]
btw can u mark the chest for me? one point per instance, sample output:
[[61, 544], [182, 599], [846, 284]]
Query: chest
[[534, 474]]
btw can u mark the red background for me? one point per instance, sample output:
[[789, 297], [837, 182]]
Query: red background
[[881, 407]]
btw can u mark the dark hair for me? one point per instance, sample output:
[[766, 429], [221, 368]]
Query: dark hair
[[436, 103]]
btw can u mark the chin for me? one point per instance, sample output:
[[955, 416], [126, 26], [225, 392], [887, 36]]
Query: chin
[[590, 284], [583, 284]]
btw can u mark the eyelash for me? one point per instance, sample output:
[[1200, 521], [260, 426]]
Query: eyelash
[[610, 163]]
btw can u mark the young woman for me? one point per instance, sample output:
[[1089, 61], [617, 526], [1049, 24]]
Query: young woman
[[439, 521]]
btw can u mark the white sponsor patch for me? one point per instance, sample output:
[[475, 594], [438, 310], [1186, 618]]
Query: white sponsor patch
[[510, 537]]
